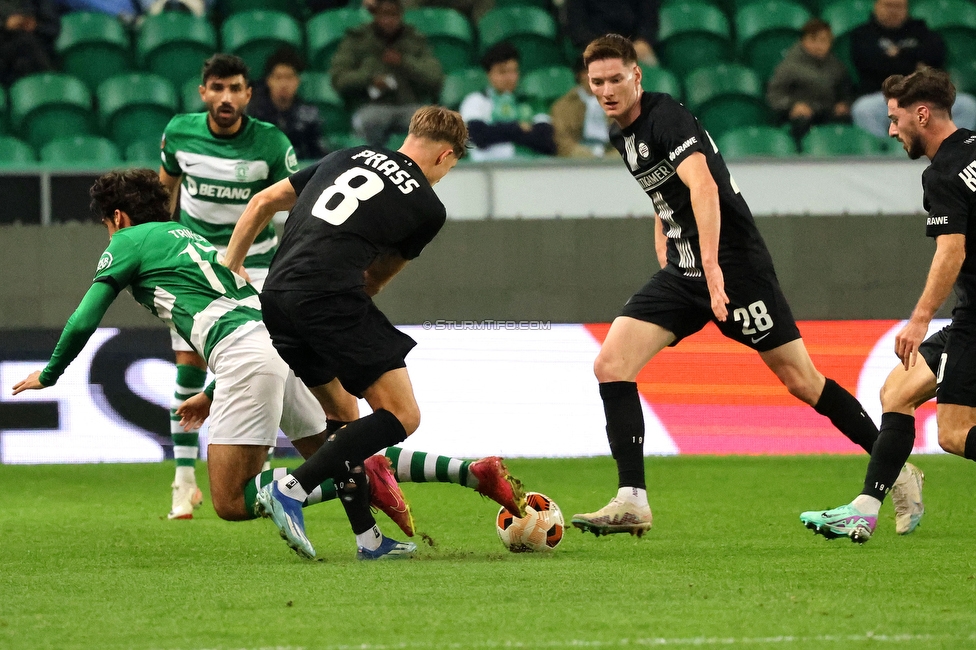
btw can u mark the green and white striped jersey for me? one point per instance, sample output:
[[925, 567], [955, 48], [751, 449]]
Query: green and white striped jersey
[[220, 175], [174, 273]]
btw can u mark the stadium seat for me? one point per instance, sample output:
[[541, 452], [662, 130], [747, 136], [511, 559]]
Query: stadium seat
[[661, 80], [530, 29], [764, 31], [756, 141], [325, 30], [135, 106], [294, 8], [190, 97], [81, 151], [692, 35], [15, 153], [964, 76], [50, 105], [317, 89], [458, 85], [255, 35], [725, 97], [3, 110], [144, 153], [844, 16], [174, 45], [955, 20], [733, 6], [544, 86], [841, 140], [93, 46], [449, 34]]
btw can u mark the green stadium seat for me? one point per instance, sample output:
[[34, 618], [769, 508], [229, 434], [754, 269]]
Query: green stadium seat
[[50, 105], [93, 46], [174, 45], [294, 8], [692, 35], [766, 30], [81, 151], [756, 141], [144, 153], [955, 20], [661, 80], [325, 30], [841, 140], [459, 85], [15, 153], [255, 35], [449, 34], [725, 97], [964, 76], [316, 88], [136, 106], [190, 97], [733, 6], [544, 86], [530, 29], [844, 16]]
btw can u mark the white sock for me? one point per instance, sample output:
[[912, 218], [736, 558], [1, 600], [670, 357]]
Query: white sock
[[370, 540], [185, 474], [636, 496], [867, 505], [290, 486]]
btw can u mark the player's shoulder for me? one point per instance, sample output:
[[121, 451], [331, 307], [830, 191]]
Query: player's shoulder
[[186, 123], [955, 161], [263, 129]]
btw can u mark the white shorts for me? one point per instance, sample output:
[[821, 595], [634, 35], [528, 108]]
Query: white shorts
[[258, 276], [256, 392]]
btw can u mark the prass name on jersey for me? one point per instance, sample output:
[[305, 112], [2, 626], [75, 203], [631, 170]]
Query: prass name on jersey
[[380, 162]]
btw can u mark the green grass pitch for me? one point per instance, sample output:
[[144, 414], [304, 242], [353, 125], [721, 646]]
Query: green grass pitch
[[88, 560]]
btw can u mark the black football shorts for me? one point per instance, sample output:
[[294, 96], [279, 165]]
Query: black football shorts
[[324, 336], [954, 364], [759, 316]]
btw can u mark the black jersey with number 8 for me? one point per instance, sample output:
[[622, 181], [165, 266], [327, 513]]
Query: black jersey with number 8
[[353, 205]]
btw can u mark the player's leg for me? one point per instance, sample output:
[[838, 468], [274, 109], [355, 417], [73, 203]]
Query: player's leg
[[956, 411], [257, 276], [957, 430], [488, 476], [629, 345], [230, 468], [191, 373], [792, 364], [903, 392]]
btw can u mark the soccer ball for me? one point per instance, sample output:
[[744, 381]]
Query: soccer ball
[[541, 529]]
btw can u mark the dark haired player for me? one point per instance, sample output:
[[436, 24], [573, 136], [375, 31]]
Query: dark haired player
[[357, 216], [715, 267], [174, 273], [219, 159], [920, 110]]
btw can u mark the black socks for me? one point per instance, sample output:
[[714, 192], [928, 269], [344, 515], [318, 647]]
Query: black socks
[[847, 414], [891, 451], [625, 430]]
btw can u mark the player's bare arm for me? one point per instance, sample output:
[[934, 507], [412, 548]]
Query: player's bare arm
[[950, 252], [171, 183], [381, 271], [660, 241], [693, 172], [256, 217]]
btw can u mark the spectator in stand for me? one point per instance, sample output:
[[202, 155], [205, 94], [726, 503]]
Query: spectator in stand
[[472, 9], [580, 126], [892, 43], [125, 10], [636, 19], [387, 69], [28, 29], [276, 101], [811, 85], [497, 121]]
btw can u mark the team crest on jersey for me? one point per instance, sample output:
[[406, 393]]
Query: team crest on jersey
[[291, 160], [104, 262], [240, 171], [643, 150]]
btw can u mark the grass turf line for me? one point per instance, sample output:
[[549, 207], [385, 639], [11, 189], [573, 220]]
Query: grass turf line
[[88, 560]]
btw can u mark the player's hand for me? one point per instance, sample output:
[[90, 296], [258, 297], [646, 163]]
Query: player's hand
[[194, 411], [716, 291], [32, 382], [908, 340], [243, 273]]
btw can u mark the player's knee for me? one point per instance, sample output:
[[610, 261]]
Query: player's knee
[[893, 399], [951, 441], [803, 388], [409, 417], [229, 509], [606, 370]]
